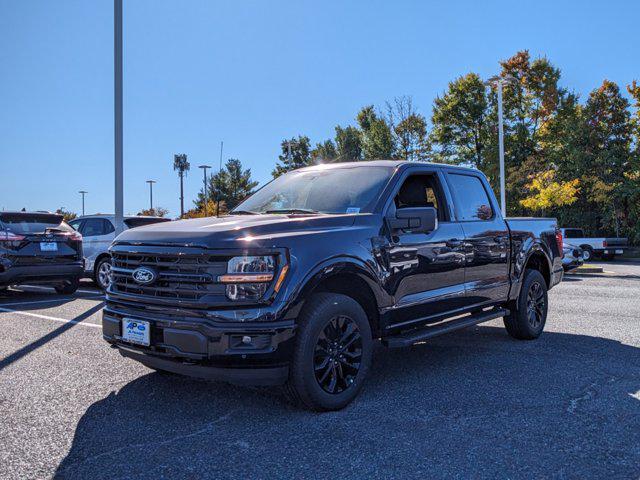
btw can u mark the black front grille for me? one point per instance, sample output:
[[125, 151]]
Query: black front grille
[[181, 277]]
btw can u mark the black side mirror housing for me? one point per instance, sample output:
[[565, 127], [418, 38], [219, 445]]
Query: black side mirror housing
[[416, 219]]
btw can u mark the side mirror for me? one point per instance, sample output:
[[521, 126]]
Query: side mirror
[[416, 219]]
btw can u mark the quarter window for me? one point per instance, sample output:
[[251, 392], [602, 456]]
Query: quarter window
[[472, 201]]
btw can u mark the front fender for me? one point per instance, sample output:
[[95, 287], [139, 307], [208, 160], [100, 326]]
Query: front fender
[[332, 267]]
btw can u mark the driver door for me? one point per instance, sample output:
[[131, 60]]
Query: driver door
[[426, 270]]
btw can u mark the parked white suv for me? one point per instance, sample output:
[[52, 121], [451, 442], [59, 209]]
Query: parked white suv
[[98, 231]]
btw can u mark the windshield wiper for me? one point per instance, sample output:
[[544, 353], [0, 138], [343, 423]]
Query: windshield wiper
[[243, 212], [292, 210]]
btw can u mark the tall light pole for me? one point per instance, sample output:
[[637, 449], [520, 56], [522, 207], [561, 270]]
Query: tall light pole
[[82, 192], [117, 111], [206, 197], [151, 182], [499, 82]]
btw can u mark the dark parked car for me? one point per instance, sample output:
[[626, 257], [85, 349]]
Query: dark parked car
[[39, 248], [294, 286]]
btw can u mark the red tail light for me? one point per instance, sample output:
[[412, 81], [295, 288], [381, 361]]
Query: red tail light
[[604, 244], [559, 240], [10, 240], [72, 235], [10, 237]]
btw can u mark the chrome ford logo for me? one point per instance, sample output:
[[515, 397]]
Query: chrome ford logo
[[144, 275]]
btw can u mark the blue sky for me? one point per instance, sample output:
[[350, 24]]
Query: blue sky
[[251, 73]]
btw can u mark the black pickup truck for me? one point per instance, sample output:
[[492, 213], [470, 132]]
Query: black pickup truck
[[296, 284]]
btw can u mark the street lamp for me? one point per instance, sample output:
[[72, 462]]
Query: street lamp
[[151, 182], [499, 82], [206, 197], [82, 192]]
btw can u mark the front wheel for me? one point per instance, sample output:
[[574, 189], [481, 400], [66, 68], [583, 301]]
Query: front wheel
[[102, 275], [529, 312], [332, 353]]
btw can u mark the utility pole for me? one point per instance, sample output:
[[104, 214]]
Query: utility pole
[[82, 192], [206, 197], [117, 110], [218, 193], [151, 182], [499, 82]]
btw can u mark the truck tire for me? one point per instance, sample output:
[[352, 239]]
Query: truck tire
[[587, 252], [68, 287], [529, 312], [332, 353]]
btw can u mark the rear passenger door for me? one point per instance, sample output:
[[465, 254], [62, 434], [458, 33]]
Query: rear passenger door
[[97, 235], [486, 238]]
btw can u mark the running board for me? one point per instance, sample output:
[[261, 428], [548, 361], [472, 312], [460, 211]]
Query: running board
[[424, 333]]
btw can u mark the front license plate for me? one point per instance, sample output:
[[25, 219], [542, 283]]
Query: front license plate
[[136, 331], [48, 247]]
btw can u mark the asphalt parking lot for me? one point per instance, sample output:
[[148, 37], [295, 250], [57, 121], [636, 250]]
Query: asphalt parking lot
[[472, 404]]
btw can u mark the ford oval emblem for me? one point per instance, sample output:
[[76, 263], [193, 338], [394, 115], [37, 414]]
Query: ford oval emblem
[[144, 275]]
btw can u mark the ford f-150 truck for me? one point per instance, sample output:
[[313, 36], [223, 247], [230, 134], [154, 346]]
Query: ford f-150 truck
[[296, 283]]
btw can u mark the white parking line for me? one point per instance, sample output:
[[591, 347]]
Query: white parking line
[[51, 300], [47, 317]]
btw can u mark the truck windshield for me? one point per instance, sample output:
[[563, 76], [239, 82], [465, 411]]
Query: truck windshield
[[320, 190]]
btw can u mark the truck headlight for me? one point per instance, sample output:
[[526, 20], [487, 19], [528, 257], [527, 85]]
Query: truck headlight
[[248, 277]]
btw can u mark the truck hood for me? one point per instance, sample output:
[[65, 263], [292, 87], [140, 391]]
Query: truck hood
[[236, 230]]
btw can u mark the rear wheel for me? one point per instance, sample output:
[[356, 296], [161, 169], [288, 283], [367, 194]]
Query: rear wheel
[[529, 313], [587, 252], [332, 353], [68, 287], [102, 275]]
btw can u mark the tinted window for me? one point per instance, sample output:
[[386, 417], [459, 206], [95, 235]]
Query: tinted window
[[23, 223], [573, 233], [141, 221], [96, 226], [472, 201]]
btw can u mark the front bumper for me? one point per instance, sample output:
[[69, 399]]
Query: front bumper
[[13, 275], [255, 353]]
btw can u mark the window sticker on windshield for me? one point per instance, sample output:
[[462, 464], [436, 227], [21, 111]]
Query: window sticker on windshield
[[353, 209]]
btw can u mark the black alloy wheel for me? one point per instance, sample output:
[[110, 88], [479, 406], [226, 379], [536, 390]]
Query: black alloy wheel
[[528, 313], [536, 303], [337, 354]]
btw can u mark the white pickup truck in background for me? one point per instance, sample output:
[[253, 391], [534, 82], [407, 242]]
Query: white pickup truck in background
[[607, 248]]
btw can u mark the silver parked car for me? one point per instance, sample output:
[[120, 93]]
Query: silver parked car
[[98, 231], [573, 257]]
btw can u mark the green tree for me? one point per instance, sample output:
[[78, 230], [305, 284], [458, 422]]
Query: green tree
[[460, 123], [154, 212], [229, 186], [377, 139], [324, 152], [296, 153], [409, 129], [348, 144], [67, 215]]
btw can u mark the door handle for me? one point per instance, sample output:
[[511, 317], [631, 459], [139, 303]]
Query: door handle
[[453, 243]]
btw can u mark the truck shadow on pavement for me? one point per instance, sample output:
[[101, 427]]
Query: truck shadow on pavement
[[474, 404]]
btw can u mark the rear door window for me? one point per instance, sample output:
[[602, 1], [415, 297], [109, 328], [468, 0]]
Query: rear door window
[[470, 197], [573, 233], [94, 227]]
